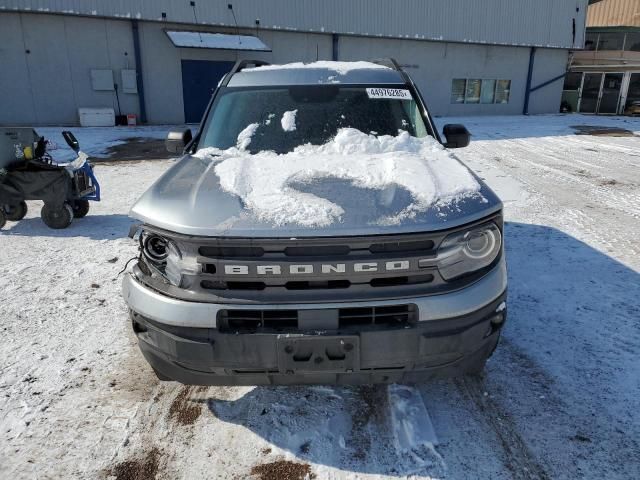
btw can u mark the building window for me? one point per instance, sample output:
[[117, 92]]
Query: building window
[[572, 81], [458, 86], [633, 96], [590, 41], [488, 91], [632, 43], [503, 88], [475, 90], [611, 41], [472, 92]]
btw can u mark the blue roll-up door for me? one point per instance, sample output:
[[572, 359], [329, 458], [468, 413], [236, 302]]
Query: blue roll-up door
[[199, 80]]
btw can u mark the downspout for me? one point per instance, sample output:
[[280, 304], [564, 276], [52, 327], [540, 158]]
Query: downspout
[[139, 82], [527, 92], [334, 46]]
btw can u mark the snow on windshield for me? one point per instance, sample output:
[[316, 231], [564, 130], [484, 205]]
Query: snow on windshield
[[288, 121], [342, 68], [263, 180], [244, 137]]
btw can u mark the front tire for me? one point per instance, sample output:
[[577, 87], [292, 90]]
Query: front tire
[[57, 218], [16, 212], [80, 208], [3, 218]]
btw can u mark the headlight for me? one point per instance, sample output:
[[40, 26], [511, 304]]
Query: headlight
[[178, 265], [465, 252], [166, 259], [154, 247], [173, 270]]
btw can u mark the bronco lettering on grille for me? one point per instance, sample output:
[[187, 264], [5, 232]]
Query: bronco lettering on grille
[[306, 269]]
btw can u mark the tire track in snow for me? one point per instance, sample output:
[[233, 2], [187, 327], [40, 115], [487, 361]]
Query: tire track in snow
[[518, 458], [559, 165], [554, 167], [605, 210]]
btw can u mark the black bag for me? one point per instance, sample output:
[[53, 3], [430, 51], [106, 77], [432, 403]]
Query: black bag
[[52, 185]]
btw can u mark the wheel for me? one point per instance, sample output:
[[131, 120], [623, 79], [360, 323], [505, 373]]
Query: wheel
[[3, 218], [16, 212], [80, 208], [57, 218]]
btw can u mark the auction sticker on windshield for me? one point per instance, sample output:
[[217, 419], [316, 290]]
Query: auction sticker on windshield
[[389, 93]]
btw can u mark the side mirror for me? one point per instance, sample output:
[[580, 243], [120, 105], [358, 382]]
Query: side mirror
[[71, 140], [457, 135], [177, 140]]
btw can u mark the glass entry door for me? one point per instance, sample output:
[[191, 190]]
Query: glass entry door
[[610, 93], [590, 92], [632, 105]]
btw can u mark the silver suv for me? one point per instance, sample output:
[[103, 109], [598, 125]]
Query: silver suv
[[317, 230]]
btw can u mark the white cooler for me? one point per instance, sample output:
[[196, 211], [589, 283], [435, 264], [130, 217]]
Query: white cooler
[[97, 117]]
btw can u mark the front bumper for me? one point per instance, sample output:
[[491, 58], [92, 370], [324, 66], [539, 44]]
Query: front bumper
[[181, 313], [455, 333]]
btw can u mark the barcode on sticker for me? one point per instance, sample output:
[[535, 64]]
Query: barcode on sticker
[[389, 93]]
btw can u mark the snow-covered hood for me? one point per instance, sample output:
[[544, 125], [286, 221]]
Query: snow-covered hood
[[357, 184]]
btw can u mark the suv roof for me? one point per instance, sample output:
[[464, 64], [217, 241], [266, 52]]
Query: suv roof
[[249, 73]]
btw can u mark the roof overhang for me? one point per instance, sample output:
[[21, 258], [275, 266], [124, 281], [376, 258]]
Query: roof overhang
[[216, 41]]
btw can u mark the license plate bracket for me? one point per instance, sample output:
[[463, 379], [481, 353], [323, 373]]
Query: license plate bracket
[[305, 353]]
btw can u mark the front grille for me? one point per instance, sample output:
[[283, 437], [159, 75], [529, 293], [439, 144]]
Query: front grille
[[404, 247], [316, 269], [288, 321], [397, 315], [231, 251], [229, 267], [317, 250], [392, 281], [254, 320], [317, 284]]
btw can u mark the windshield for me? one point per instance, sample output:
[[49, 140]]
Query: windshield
[[280, 119]]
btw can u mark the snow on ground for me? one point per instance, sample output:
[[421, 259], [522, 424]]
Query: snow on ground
[[263, 180], [560, 397], [95, 141]]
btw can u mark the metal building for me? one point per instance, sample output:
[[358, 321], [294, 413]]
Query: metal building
[[160, 59], [604, 78]]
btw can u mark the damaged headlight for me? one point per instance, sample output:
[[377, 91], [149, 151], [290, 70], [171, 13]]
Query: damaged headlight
[[173, 269], [154, 247], [468, 251], [166, 259]]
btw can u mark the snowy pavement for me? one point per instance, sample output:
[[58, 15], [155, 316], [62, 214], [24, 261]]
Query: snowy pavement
[[98, 142], [560, 397]]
